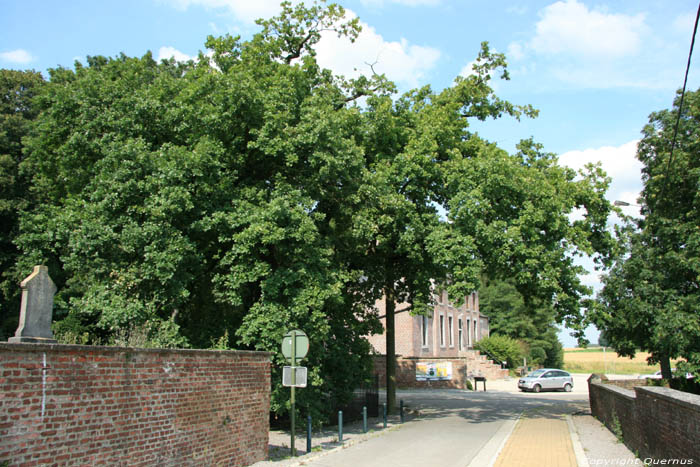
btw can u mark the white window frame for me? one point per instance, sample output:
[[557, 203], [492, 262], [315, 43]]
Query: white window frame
[[451, 330], [442, 329], [460, 333], [425, 332]]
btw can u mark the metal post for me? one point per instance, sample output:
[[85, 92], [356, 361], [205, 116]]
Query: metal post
[[384, 414], [294, 382], [401, 411], [340, 426], [364, 419], [308, 434]]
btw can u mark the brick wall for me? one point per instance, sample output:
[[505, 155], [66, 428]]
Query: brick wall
[[80, 405], [461, 369], [656, 422]]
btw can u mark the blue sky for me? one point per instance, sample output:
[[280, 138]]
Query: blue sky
[[594, 69]]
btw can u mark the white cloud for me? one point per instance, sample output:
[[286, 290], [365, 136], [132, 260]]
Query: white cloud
[[172, 52], [468, 69], [575, 45], [402, 62], [571, 28], [515, 51], [19, 56], [379, 3], [245, 10], [620, 163]]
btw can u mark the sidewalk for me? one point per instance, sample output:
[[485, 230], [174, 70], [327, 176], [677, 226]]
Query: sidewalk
[[541, 439], [547, 429]]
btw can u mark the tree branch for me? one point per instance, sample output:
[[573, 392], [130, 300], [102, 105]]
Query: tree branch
[[396, 312]]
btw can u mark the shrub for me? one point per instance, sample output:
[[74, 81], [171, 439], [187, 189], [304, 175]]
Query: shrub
[[501, 348]]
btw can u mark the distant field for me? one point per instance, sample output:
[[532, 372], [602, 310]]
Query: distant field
[[594, 360]]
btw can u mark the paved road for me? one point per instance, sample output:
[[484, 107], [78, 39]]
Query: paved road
[[455, 428]]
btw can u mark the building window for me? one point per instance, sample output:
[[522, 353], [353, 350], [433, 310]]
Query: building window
[[442, 330], [424, 331], [459, 334], [450, 330], [469, 337], [475, 339]]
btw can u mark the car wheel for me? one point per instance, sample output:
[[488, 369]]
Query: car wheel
[[567, 387], [537, 388]]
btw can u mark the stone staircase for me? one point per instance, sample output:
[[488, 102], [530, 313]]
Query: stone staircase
[[480, 365]]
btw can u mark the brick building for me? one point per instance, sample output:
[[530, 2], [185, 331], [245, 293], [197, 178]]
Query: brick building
[[446, 338]]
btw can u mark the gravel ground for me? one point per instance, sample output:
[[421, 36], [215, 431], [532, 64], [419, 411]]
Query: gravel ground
[[600, 445]]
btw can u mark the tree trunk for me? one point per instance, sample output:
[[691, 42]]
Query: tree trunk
[[390, 307], [665, 363]]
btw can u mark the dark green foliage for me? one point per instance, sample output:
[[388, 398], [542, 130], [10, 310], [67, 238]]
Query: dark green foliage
[[532, 323], [222, 202], [17, 114], [502, 348]]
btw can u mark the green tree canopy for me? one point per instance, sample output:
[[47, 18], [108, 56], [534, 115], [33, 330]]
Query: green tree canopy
[[651, 297], [17, 114], [533, 324], [223, 201]]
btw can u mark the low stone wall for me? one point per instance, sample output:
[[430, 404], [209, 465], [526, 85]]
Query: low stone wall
[[655, 422], [461, 369], [81, 405]]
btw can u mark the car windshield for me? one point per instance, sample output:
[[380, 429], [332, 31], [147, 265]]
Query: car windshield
[[536, 373]]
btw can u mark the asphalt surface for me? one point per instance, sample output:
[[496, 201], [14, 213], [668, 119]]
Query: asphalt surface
[[462, 428], [452, 429]]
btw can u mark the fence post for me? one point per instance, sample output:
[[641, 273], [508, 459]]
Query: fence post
[[364, 419], [340, 426], [401, 405], [308, 434], [384, 404]]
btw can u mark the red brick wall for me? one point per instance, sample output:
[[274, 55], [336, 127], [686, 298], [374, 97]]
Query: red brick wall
[[461, 369], [656, 422], [80, 405]]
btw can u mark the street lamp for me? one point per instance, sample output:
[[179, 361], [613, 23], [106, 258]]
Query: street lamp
[[625, 203]]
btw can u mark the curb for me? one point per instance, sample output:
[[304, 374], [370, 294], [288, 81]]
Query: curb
[[581, 459], [490, 451], [351, 442]]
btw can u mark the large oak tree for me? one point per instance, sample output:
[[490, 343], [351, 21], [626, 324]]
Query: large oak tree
[[223, 201]]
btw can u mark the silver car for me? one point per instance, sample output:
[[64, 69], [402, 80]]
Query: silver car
[[546, 379]]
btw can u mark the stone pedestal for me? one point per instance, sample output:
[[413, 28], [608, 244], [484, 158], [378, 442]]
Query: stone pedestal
[[37, 308]]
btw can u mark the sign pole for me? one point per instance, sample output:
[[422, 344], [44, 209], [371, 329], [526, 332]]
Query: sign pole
[[294, 382]]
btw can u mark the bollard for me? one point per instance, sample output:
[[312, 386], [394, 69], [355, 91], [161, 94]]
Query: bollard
[[364, 419], [308, 434], [384, 414], [401, 403], [340, 426]]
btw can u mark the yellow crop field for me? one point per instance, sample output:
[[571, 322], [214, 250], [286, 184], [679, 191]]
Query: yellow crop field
[[595, 360]]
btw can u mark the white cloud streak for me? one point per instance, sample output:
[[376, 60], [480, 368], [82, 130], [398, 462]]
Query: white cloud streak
[[581, 47], [619, 162], [18, 56], [571, 28], [244, 10], [406, 64], [411, 3], [172, 52]]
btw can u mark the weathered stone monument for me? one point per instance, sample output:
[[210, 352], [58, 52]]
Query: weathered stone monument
[[37, 308]]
